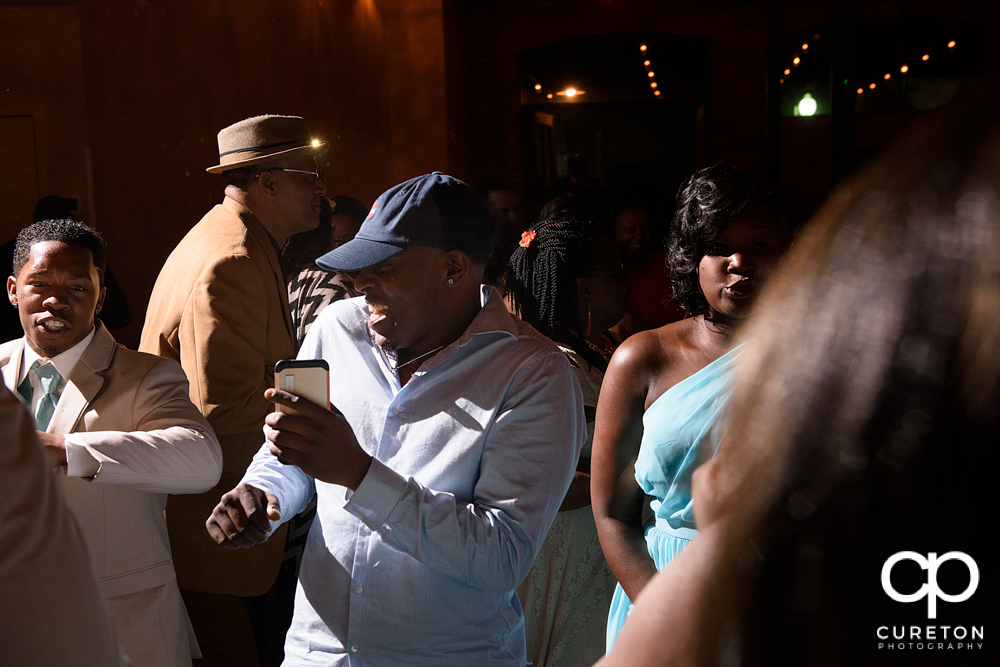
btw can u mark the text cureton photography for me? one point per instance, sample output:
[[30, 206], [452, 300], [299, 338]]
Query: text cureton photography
[[939, 636]]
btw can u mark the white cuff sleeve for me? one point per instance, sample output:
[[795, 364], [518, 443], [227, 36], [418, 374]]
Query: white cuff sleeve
[[377, 495], [79, 461]]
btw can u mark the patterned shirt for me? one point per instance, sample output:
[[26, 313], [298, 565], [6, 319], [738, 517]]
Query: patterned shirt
[[312, 290]]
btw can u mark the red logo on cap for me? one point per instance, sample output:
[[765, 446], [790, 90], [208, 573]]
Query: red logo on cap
[[372, 212]]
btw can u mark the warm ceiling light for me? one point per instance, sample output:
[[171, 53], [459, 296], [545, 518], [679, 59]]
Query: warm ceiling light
[[805, 46], [781, 80], [904, 69], [549, 96], [787, 72], [570, 92], [860, 90], [796, 60], [925, 57], [650, 73], [538, 86], [656, 92], [872, 86], [652, 84], [887, 76], [951, 44], [646, 63], [642, 47], [315, 143]]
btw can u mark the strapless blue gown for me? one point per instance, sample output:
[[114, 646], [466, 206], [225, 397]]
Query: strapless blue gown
[[681, 430]]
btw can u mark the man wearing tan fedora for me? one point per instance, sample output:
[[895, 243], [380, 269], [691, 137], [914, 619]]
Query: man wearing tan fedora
[[220, 308]]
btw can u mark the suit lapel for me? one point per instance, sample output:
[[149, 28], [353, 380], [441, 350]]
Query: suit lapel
[[12, 367], [85, 380]]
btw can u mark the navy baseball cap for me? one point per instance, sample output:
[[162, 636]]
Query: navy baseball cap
[[435, 211]]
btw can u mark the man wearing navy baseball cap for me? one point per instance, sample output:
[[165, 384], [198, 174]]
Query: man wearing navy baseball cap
[[450, 443]]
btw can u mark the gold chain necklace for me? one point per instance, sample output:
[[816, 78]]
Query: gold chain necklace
[[425, 354]]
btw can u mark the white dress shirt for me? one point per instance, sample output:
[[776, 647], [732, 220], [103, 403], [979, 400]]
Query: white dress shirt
[[472, 458]]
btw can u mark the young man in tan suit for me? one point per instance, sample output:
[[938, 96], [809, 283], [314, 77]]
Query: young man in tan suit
[[220, 308], [119, 422]]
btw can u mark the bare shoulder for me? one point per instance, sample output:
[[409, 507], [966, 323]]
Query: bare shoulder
[[659, 357], [638, 354], [653, 350]]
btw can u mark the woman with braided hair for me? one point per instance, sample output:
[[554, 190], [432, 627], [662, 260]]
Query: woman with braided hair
[[572, 288], [661, 413]]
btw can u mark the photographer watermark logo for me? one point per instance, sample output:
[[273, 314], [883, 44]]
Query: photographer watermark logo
[[930, 590], [930, 637]]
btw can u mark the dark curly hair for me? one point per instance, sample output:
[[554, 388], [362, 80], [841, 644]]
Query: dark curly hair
[[64, 230], [707, 203]]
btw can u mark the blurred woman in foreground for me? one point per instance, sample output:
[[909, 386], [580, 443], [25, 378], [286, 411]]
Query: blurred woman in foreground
[[662, 403], [865, 424]]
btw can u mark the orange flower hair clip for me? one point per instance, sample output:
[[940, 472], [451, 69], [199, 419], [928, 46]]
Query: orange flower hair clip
[[526, 238]]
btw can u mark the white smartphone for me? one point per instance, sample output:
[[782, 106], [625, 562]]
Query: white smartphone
[[308, 378]]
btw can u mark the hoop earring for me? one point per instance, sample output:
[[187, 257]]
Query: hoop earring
[[451, 281]]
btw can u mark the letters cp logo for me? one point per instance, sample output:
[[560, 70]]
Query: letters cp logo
[[930, 590]]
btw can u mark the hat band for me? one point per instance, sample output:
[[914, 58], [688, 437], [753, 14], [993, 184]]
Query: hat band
[[263, 148]]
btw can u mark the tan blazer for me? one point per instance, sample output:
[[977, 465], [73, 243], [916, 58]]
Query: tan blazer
[[132, 413], [53, 610], [220, 308]]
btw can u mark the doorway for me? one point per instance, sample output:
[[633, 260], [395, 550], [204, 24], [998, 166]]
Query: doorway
[[620, 116]]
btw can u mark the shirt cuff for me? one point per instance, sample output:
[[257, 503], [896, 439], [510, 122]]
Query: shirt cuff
[[79, 461], [377, 494]]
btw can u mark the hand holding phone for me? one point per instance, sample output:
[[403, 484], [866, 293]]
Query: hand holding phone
[[308, 378], [316, 438]]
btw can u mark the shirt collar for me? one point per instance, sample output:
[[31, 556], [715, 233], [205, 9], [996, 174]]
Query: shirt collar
[[64, 362], [491, 318]]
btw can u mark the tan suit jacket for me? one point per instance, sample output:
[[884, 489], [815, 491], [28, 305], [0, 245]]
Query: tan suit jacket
[[132, 413], [53, 610], [220, 308]]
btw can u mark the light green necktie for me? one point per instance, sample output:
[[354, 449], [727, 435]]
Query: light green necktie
[[49, 378]]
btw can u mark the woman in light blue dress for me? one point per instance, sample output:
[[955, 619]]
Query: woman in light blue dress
[[662, 407]]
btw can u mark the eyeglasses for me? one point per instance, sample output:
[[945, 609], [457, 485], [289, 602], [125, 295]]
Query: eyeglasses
[[318, 174]]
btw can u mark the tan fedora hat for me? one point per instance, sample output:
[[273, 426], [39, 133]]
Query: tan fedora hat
[[264, 139]]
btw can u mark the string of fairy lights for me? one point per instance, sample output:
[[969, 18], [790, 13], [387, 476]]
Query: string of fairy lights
[[904, 67], [648, 64], [808, 103], [573, 92]]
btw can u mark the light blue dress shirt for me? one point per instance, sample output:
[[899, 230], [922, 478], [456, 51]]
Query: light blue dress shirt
[[472, 459]]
